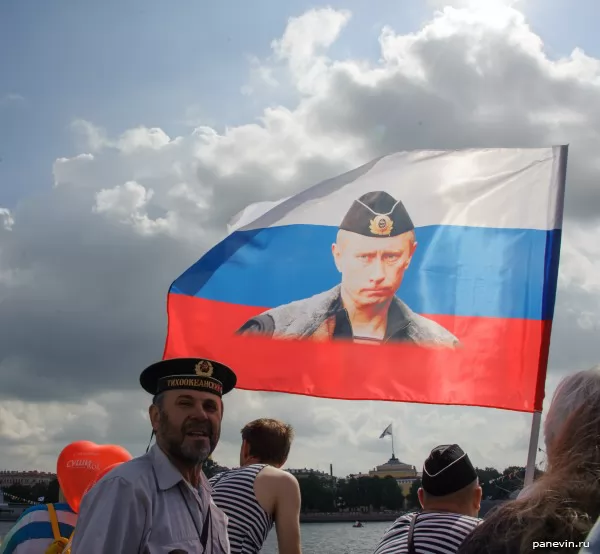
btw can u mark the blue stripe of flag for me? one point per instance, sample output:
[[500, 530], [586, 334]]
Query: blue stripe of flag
[[463, 271]]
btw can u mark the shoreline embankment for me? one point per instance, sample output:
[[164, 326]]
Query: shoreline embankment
[[348, 517], [345, 517]]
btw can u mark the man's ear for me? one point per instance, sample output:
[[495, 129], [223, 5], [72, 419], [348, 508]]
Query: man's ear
[[335, 252], [154, 414], [413, 247], [478, 496]]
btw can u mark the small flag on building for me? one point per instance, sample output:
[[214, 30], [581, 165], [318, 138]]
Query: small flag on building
[[387, 431]]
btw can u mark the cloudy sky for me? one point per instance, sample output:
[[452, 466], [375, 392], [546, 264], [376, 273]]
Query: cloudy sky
[[131, 132]]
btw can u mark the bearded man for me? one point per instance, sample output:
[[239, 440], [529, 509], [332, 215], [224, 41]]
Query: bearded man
[[161, 501]]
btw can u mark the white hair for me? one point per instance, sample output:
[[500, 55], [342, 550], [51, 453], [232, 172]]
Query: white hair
[[572, 392]]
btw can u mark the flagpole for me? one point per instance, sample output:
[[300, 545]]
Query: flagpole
[[533, 446], [393, 443]]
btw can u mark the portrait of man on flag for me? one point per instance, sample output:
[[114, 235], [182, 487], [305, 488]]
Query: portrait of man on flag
[[374, 247]]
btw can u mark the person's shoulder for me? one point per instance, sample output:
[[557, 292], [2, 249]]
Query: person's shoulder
[[403, 520], [425, 330], [64, 511], [304, 310], [279, 318], [132, 474], [480, 538], [432, 330], [277, 473], [216, 477], [278, 479], [451, 520], [130, 484], [33, 524], [37, 508], [394, 538], [39, 512], [262, 324], [470, 520], [451, 515], [397, 529]]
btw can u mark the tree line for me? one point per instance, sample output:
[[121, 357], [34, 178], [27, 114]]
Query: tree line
[[321, 493]]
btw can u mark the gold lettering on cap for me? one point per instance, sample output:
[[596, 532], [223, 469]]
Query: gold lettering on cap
[[194, 383]]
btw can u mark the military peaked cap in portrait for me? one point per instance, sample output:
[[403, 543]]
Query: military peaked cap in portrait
[[377, 214], [188, 373], [447, 470]]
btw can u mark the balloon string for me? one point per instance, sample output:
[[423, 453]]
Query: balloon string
[[150, 441]]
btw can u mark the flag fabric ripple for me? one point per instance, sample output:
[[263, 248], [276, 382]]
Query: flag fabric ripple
[[488, 229]]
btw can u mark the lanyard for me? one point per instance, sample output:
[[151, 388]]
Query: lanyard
[[202, 535]]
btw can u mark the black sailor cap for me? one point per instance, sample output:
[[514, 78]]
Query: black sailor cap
[[188, 373]]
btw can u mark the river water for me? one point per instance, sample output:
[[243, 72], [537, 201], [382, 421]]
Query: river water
[[317, 538], [334, 538]]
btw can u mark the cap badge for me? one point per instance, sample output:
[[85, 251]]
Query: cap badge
[[204, 368], [381, 225]]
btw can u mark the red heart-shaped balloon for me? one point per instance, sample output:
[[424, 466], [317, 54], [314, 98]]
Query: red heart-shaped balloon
[[83, 463]]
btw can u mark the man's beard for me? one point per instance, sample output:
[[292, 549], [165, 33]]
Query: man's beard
[[187, 451]]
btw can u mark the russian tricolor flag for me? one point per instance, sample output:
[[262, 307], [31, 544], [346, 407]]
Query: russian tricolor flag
[[471, 240]]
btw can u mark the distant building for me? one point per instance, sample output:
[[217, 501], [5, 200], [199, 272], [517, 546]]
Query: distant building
[[26, 478], [404, 474], [304, 473]]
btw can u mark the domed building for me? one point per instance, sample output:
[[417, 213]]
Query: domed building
[[404, 474]]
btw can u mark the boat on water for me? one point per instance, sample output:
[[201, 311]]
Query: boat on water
[[358, 524]]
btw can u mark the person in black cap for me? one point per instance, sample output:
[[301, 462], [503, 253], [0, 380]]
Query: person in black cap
[[450, 496], [374, 247], [161, 501]]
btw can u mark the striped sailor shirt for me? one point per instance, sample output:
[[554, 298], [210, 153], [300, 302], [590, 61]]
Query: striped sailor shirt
[[434, 533], [32, 533], [248, 525]]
